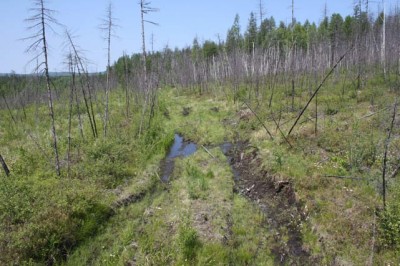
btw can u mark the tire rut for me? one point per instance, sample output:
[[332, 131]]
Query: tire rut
[[277, 200]]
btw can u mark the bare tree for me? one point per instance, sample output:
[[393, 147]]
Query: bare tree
[[261, 10], [383, 47], [145, 9], [126, 84], [71, 67], [108, 27], [41, 20], [81, 70]]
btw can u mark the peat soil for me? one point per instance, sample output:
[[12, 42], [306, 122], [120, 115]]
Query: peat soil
[[284, 214]]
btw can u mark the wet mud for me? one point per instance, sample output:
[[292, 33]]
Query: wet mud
[[276, 198]]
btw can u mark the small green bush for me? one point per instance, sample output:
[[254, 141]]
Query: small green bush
[[390, 226]]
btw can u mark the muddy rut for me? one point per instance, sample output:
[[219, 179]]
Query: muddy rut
[[277, 200]]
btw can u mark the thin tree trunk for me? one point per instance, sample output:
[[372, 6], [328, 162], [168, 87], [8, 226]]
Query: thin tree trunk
[[4, 165], [292, 95], [91, 105], [259, 120], [316, 91], [126, 88], [385, 154], [144, 56], [9, 110], [87, 100], [78, 107], [108, 27], [87, 108], [71, 99], [316, 116], [383, 48], [49, 93]]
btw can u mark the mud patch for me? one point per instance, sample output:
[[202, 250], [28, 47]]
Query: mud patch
[[129, 199], [277, 199], [203, 221], [186, 111]]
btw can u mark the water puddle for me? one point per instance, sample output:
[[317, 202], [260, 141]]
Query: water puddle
[[226, 147], [180, 148]]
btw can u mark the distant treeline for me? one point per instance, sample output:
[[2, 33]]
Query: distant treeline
[[270, 47]]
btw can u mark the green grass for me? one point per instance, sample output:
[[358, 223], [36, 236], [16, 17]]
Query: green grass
[[197, 219]]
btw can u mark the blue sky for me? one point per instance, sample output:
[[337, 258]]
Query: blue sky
[[179, 22]]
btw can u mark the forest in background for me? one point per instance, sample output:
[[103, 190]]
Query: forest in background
[[317, 105]]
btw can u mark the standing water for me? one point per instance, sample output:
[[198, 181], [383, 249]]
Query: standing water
[[179, 148]]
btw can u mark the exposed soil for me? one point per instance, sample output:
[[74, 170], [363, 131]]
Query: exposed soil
[[129, 199], [277, 200], [186, 111]]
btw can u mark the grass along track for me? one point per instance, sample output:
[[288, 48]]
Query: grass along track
[[262, 204]]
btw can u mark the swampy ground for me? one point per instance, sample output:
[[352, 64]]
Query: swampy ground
[[208, 186], [239, 198]]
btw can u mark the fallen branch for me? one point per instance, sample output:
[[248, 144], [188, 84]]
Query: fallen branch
[[280, 131], [250, 188], [395, 172], [259, 120], [208, 151], [374, 113], [343, 177], [4, 165]]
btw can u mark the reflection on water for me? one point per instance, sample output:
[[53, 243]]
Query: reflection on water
[[182, 148], [179, 148]]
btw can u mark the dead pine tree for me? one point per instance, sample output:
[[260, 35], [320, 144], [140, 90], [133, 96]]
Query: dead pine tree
[[72, 68], [74, 89], [145, 9], [126, 83], [108, 26], [261, 10], [78, 59], [41, 20]]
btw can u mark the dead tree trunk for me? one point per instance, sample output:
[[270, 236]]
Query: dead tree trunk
[[87, 100], [41, 19], [108, 26], [4, 165], [316, 91], [127, 100], [145, 8], [385, 154]]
